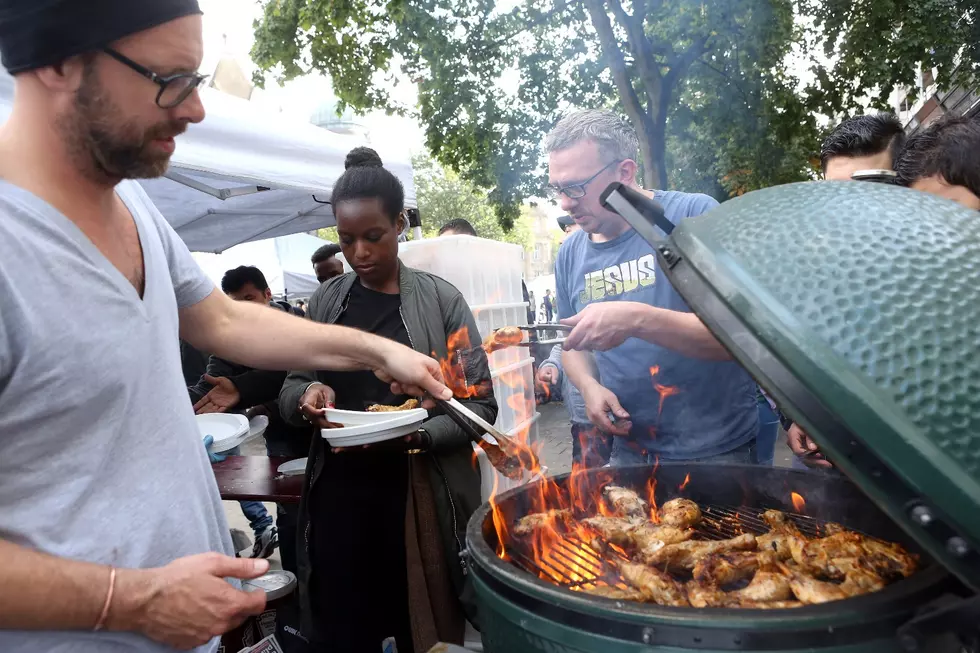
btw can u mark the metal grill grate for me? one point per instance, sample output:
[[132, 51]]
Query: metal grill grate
[[576, 565]]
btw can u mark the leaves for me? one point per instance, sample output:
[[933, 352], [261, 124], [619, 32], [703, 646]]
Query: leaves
[[705, 82]]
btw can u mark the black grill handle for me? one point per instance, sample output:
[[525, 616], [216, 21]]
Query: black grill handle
[[641, 212]]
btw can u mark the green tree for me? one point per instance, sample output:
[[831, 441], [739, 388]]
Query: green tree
[[443, 196], [873, 47]]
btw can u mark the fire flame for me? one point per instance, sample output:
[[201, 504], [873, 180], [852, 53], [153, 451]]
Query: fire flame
[[452, 367], [798, 503], [663, 391], [682, 486]]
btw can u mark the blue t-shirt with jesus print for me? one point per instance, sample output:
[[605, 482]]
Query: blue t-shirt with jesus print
[[711, 406]]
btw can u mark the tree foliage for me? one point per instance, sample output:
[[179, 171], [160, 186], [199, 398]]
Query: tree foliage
[[705, 82], [443, 196]]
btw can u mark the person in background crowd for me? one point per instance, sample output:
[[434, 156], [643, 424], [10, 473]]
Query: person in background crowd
[[230, 387], [326, 265], [112, 532], [366, 571], [943, 158], [458, 227], [696, 403], [870, 142], [461, 227], [300, 308], [549, 307]]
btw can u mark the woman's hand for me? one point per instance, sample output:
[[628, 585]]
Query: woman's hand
[[314, 403]]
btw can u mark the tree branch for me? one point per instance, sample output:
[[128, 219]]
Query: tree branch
[[680, 65], [617, 65], [731, 79], [643, 54]]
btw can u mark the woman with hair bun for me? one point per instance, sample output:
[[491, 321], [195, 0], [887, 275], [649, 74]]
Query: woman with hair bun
[[382, 527]]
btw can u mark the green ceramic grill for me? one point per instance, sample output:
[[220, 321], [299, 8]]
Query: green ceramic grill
[[857, 307]]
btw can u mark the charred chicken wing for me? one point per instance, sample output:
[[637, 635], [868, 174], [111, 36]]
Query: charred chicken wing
[[724, 568], [530, 523], [625, 502], [503, 338], [658, 586], [686, 554], [783, 538]]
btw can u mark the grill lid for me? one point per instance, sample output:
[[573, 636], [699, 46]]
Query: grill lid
[[857, 306]]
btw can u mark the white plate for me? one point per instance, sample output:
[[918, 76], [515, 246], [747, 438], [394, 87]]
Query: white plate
[[293, 467], [367, 428], [257, 426], [228, 430]]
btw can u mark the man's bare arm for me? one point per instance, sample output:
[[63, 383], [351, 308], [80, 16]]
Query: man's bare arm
[[680, 332], [42, 592]]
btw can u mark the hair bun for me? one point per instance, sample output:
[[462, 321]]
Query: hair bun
[[362, 157]]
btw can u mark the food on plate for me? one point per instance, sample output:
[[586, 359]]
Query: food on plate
[[411, 404], [685, 555], [530, 523], [657, 586], [682, 513], [502, 338], [625, 502]]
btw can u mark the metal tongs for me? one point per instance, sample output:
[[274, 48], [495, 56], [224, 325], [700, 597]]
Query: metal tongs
[[508, 456], [534, 331]]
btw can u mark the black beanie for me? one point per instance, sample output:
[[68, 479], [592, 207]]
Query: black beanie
[[39, 33]]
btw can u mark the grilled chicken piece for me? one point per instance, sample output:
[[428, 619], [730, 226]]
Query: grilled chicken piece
[[656, 585], [709, 596], [530, 523], [502, 338], [411, 404], [809, 590], [649, 537], [783, 538], [887, 560], [724, 568], [768, 584], [682, 513], [618, 593], [625, 501], [614, 530], [686, 554]]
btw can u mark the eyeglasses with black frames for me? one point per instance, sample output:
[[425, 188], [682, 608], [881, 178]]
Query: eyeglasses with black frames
[[174, 89]]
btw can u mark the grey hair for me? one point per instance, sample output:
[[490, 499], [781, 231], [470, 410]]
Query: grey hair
[[613, 134]]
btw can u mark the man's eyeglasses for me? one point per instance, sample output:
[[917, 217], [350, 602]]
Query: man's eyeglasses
[[174, 89], [577, 191]]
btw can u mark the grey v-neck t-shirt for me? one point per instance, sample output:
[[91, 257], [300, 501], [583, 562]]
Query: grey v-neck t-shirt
[[100, 457]]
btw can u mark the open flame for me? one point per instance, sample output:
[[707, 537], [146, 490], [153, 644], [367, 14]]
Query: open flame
[[798, 503], [453, 367], [682, 486], [663, 391]]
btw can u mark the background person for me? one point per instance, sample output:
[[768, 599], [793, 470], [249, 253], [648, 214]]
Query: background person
[[624, 310], [871, 142], [943, 158], [112, 532], [396, 521], [230, 387], [326, 265]]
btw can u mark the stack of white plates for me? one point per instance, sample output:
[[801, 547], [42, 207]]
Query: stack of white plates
[[361, 428], [229, 430]]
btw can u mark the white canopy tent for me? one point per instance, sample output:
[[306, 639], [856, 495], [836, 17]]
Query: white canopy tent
[[245, 174], [285, 262]]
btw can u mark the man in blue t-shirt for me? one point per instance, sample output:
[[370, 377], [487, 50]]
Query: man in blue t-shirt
[[671, 389]]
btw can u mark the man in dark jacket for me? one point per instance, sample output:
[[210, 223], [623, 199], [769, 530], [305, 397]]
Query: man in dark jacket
[[230, 387], [447, 456]]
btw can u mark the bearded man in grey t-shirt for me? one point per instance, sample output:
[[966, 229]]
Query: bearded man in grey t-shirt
[[112, 535]]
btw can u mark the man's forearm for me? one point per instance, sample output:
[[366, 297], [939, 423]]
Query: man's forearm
[[43, 592], [273, 340], [580, 368], [677, 331]]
